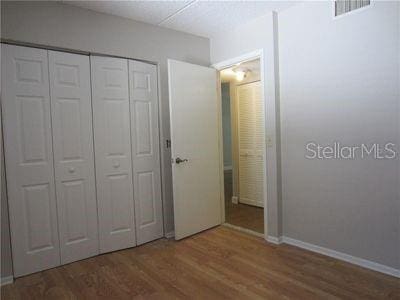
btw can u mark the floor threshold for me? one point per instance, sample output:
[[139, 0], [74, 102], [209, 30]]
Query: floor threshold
[[244, 230]]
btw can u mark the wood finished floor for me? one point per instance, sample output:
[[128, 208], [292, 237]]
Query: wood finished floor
[[220, 263], [242, 215], [245, 216]]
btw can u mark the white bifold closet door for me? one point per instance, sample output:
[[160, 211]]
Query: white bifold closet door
[[251, 143], [29, 159], [71, 109], [111, 122], [145, 151]]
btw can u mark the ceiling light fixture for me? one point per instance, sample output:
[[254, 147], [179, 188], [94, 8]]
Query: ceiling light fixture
[[240, 73]]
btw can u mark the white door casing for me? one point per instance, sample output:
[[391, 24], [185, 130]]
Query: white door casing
[[111, 120], [195, 135], [73, 155], [145, 151], [29, 159], [251, 143]]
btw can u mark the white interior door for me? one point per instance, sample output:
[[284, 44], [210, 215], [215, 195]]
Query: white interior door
[[251, 143], [73, 155], [111, 122], [29, 159], [195, 136], [145, 151]]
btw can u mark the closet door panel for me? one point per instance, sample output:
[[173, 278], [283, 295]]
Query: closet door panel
[[73, 155], [145, 151], [113, 153], [251, 143], [29, 159]]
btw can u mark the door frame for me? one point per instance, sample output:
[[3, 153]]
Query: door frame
[[257, 54]]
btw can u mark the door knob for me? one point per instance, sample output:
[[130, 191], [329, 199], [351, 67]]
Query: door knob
[[179, 160], [71, 170]]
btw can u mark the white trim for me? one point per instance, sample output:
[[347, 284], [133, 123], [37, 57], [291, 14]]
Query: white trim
[[257, 54], [235, 199], [324, 251], [274, 240], [220, 149], [6, 280], [239, 59], [163, 149], [251, 203], [343, 256], [170, 234], [244, 230]]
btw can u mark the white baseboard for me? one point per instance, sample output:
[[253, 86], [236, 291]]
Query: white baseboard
[[170, 234], [274, 240], [343, 256], [6, 280], [235, 199], [318, 249]]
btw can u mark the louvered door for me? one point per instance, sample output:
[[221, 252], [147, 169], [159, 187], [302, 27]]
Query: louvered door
[[251, 143]]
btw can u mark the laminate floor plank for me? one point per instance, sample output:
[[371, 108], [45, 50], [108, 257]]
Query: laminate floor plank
[[242, 215], [220, 263]]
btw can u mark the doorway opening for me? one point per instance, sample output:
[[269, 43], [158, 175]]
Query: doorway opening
[[243, 135]]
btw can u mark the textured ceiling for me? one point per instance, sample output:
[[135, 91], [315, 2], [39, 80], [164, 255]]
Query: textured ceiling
[[204, 18], [210, 18], [152, 12]]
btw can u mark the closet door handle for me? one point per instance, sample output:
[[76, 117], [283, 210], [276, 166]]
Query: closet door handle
[[179, 160], [116, 164], [71, 170]]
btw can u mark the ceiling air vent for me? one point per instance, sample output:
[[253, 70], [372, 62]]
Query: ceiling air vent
[[346, 6]]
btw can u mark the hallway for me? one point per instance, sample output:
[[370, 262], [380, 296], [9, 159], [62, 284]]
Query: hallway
[[242, 215]]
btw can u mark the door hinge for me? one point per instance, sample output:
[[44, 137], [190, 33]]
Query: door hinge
[[168, 143]]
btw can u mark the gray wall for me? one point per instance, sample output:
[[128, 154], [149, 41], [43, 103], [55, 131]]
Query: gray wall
[[340, 82], [6, 261], [6, 269], [59, 25]]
